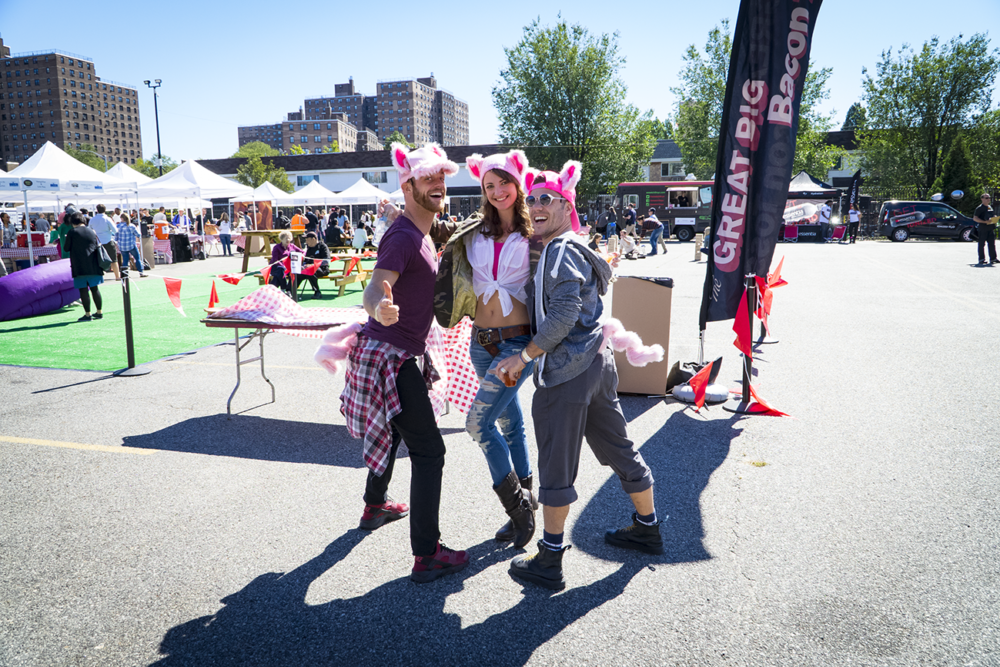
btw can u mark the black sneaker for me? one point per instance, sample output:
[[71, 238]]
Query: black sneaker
[[98, 316], [638, 536], [85, 318]]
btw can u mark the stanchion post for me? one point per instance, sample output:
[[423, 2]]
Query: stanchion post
[[131, 371]]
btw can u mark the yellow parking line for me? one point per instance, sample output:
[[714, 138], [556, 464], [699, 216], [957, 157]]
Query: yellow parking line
[[77, 445]]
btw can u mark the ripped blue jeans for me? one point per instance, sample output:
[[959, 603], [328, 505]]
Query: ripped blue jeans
[[496, 405]]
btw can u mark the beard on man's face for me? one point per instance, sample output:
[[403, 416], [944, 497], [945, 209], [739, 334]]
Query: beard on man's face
[[424, 200]]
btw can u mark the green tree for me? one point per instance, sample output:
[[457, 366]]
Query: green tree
[[561, 97], [296, 150], [701, 97], [149, 168], [396, 137], [85, 154], [662, 129], [256, 149], [855, 118], [812, 152], [956, 174], [255, 172], [983, 142], [917, 103], [331, 148]]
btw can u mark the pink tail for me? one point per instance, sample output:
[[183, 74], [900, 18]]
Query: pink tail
[[336, 346], [629, 342]]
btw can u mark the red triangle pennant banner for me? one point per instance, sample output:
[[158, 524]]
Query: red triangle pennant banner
[[311, 269], [265, 273], [232, 278], [741, 325], [213, 298], [173, 286]]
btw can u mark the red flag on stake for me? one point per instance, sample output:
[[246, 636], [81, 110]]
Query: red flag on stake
[[173, 286], [233, 278], [699, 383], [741, 325], [764, 408], [764, 298], [774, 279], [213, 298]]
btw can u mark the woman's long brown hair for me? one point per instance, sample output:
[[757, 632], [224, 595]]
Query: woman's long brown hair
[[492, 226]]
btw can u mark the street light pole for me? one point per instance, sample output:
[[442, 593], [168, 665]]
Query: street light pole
[[104, 157], [156, 110]]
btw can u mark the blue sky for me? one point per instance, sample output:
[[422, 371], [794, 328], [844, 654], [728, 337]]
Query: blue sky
[[230, 64]]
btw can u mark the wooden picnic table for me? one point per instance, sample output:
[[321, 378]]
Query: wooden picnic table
[[269, 236]]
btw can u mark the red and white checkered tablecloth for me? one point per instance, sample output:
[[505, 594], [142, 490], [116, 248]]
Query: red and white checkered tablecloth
[[22, 253], [163, 245], [448, 348], [240, 241]]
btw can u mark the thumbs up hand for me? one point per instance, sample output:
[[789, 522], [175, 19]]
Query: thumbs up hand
[[387, 313]]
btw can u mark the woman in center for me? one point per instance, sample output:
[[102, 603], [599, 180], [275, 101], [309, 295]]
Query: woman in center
[[497, 250]]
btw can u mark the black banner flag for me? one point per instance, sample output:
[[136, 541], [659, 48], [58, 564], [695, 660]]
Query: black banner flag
[[760, 117], [854, 192]]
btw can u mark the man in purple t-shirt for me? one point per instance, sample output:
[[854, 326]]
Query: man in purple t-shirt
[[385, 398]]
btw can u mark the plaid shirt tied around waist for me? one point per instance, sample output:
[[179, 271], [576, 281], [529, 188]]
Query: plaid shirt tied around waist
[[370, 399]]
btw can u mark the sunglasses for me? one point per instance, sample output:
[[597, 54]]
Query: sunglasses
[[544, 200]]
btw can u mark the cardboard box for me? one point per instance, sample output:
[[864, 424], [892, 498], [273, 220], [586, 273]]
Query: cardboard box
[[643, 306]]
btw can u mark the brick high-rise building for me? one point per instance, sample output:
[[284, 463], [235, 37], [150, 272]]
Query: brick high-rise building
[[414, 107], [57, 96], [421, 112]]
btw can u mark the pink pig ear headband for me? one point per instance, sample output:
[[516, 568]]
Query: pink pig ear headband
[[424, 161], [564, 183], [514, 163]]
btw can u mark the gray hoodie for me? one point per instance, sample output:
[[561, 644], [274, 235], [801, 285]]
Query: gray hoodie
[[567, 322]]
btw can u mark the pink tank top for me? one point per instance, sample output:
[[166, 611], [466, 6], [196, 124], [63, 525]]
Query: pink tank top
[[497, 247]]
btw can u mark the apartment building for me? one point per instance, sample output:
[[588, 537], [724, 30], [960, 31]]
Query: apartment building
[[416, 108], [57, 96]]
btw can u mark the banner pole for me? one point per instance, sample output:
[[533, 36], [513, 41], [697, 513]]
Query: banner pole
[[751, 287]]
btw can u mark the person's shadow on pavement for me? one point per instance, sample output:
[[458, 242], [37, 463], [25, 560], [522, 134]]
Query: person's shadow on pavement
[[682, 454], [399, 623]]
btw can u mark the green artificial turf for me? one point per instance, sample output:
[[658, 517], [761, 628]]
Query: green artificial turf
[[57, 340]]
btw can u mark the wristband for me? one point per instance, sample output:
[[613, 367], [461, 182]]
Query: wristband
[[525, 357]]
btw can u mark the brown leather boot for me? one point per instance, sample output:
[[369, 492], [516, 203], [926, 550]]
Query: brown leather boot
[[506, 532], [518, 508]]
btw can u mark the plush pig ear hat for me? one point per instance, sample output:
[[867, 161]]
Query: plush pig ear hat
[[514, 163], [564, 183], [421, 162]]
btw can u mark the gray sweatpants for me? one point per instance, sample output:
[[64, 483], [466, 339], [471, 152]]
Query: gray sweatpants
[[586, 406]]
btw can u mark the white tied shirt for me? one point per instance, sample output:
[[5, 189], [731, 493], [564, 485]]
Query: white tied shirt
[[513, 272]]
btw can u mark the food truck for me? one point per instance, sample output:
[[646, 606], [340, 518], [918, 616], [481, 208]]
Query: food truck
[[684, 207]]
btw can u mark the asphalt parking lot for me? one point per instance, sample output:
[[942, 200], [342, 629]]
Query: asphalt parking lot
[[139, 525]]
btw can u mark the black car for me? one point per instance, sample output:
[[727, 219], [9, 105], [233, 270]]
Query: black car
[[899, 220]]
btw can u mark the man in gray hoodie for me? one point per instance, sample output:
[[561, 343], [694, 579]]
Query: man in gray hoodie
[[576, 382]]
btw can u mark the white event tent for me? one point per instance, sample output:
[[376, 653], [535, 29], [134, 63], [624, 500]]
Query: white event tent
[[192, 181], [266, 191], [52, 175], [361, 192], [313, 193]]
